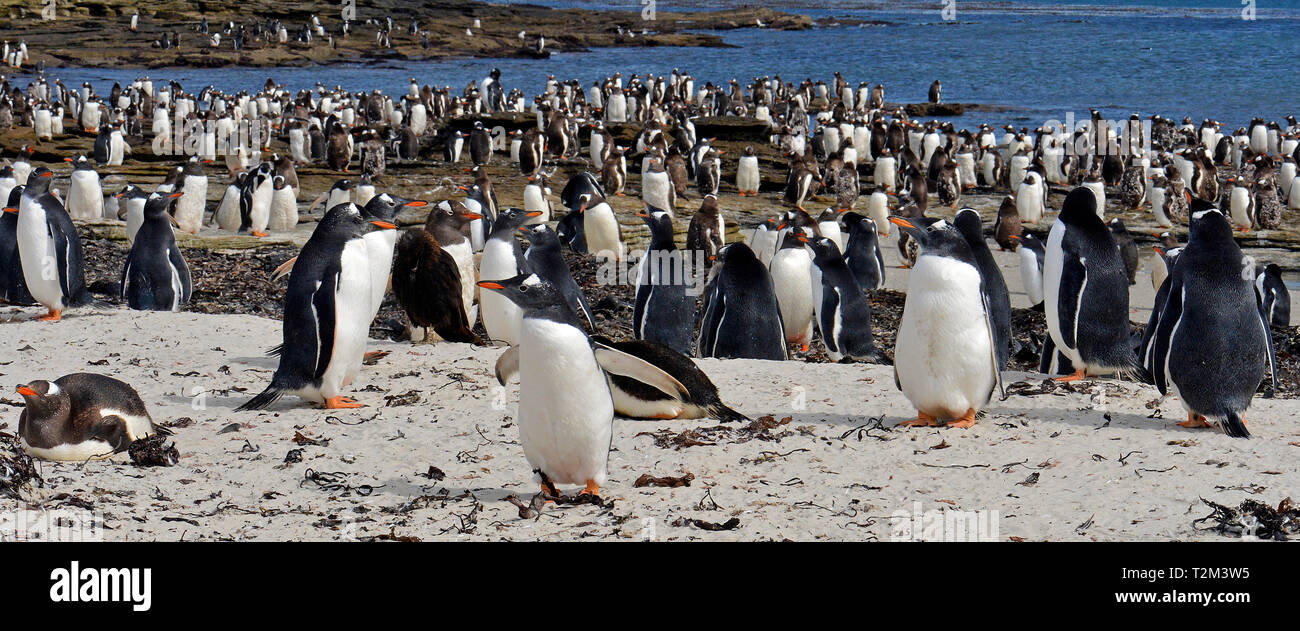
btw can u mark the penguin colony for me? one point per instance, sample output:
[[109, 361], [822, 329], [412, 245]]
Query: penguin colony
[[803, 275]]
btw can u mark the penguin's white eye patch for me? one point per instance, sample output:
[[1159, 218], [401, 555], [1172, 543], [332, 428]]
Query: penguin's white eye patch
[[1200, 214], [532, 279]]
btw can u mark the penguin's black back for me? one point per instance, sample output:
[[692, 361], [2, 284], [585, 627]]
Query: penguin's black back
[[13, 287], [147, 273], [741, 319], [863, 257], [995, 286], [1102, 308]]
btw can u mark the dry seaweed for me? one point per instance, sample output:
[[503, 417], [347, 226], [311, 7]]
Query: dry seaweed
[[1252, 518], [666, 481], [730, 524], [18, 472], [153, 451]]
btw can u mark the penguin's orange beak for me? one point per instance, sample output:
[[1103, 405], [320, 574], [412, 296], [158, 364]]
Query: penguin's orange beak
[[535, 213], [48, 174], [643, 215], [177, 194], [385, 225], [487, 284], [416, 204], [463, 188], [67, 159], [1014, 237], [11, 210], [474, 215], [27, 392], [899, 221], [1159, 250]]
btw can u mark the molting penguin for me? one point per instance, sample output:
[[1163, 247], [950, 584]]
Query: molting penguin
[[741, 315], [1006, 228], [46, 233], [1085, 290], [1212, 342], [447, 222], [326, 313], [998, 299], [155, 276], [707, 232], [843, 313], [1275, 299], [944, 359], [82, 416], [429, 286], [663, 312]]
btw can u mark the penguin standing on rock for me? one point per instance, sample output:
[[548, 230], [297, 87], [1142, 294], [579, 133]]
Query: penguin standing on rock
[[226, 216], [255, 201], [741, 315], [1212, 342], [46, 233], [155, 276], [1085, 290], [82, 416], [326, 313], [1006, 228], [707, 231], [189, 209], [945, 359], [85, 194]]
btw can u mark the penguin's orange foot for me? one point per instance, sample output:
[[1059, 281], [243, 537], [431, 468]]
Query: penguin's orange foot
[[374, 355], [260, 234], [922, 420], [966, 420], [803, 348], [592, 489], [54, 315], [340, 403], [620, 194], [1077, 376], [1196, 421]]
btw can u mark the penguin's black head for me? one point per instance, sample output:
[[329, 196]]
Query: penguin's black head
[[385, 207], [194, 166], [969, 224], [38, 183], [529, 291], [796, 237], [450, 212], [939, 238], [159, 204], [44, 400], [512, 218], [1209, 226], [1080, 208], [660, 223], [824, 249], [345, 221], [541, 236]]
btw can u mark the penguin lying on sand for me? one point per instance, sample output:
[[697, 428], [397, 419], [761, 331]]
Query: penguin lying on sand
[[82, 416]]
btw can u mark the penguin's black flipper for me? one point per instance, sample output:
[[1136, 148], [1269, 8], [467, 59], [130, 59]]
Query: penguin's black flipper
[[1233, 426], [111, 429], [270, 395], [993, 345], [507, 365], [71, 268], [275, 351], [713, 311]]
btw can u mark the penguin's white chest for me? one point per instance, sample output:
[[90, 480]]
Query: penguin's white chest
[[601, 228], [37, 252], [500, 316], [792, 279], [351, 318], [535, 201], [189, 209], [943, 355], [379, 250], [565, 411], [260, 212], [85, 197]]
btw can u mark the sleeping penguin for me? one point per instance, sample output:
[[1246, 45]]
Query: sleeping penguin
[[326, 313], [82, 416]]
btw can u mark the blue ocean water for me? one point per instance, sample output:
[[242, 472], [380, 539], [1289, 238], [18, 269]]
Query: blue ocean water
[[1039, 59]]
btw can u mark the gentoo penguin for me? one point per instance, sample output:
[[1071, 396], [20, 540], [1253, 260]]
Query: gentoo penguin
[[326, 313], [502, 258], [762, 240], [662, 311], [601, 229], [284, 206], [998, 299], [1275, 298], [708, 173], [656, 188], [227, 215], [364, 191], [945, 361], [791, 271], [636, 399], [828, 225], [155, 276], [130, 206], [1241, 205], [862, 252], [380, 244], [1094, 183], [566, 411], [1212, 342], [22, 165], [741, 316], [340, 193], [1127, 249], [536, 193], [843, 313], [1085, 290], [747, 177], [428, 284], [545, 259], [878, 211], [707, 232], [255, 201], [82, 416], [13, 287], [480, 145], [447, 222], [190, 207], [85, 195], [1156, 195], [1032, 254], [46, 234], [1006, 228], [7, 181], [1030, 200]]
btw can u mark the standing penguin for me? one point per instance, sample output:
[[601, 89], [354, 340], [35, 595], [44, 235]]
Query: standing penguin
[[707, 232], [662, 312], [843, 313], [502, 258], [82, 416], [1127, 249], [998, 299], [1085, 290], [255, 201], [1212, 342], [708, 173], [189, 209], [429, 287], [227, 216], [85, 194], [480, 145], [326, 313], [656, 188], [862, 252], [792, 278], [741, 315], [1275, 299], [566, 411], [155, 276], [1031, 198], [945, 359], [545, 259], [47, 235], [1006, 228], [13, 287], [382, 209], [1032, 254], [600, 228], [747, 177], [130, 207], [284, 206]]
